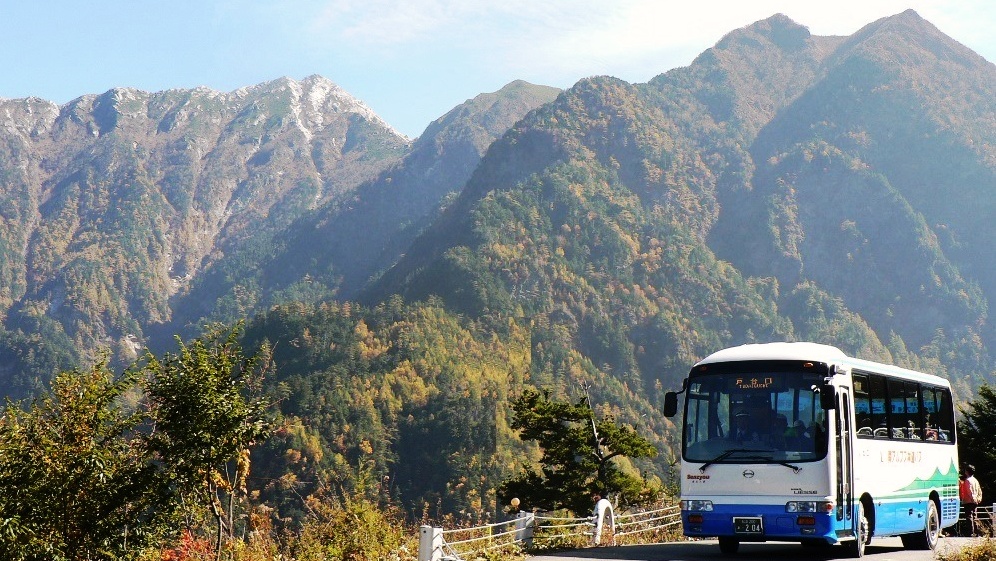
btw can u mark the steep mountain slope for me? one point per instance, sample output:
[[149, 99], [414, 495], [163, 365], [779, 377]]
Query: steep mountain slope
[[783, 186], [335, 249], [591, 214], [880, 176], [117, 201], [779, 152]]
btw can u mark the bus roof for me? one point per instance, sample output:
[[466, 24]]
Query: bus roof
[[815, 352], [777, 351]]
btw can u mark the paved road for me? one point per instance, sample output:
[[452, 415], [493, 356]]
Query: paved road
[[880, 549]]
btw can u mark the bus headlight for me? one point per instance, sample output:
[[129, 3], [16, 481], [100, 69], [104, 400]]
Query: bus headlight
[[809, 506], [696, 505]]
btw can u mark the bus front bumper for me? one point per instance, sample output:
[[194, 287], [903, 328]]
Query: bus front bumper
[[758, 523]]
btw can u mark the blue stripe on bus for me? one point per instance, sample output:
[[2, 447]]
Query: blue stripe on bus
[[778, 524], [891, 517]]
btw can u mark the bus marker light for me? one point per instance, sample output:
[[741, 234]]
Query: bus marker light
[[696, 505], [809, 506]]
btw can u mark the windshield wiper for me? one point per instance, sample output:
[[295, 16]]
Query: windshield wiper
[[770, 458], [764, 458], [729, 453]]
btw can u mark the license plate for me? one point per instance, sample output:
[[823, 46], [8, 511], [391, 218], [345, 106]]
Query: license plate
[[748, 525]]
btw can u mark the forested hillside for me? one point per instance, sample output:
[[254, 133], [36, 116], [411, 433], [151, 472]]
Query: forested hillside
[[783, 186], [131, 217], [744, 198], [114, 203]]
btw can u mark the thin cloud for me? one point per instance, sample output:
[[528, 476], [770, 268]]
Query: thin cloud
[[582, 37]]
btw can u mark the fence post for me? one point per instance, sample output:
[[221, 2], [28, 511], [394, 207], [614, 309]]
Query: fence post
[[430, 544], [603, 507], [524, 528]]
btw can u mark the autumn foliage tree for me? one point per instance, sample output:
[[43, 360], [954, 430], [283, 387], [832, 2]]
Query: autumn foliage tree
[[208, 409], [101, 467], [76, 482], [976, 443], [581, 455]]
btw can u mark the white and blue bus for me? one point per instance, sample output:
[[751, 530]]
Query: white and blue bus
[[799, 442]]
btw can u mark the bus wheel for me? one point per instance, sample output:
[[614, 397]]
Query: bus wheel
[[928, 537], [728, 545], [857, 547]]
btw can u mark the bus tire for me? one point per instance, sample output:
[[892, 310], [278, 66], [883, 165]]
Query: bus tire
[[728, 545], [856, 548], [931, 533]]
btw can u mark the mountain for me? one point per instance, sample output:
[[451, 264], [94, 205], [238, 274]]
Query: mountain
[[764, 192], [114, 204], [364, 231], [783, 186]]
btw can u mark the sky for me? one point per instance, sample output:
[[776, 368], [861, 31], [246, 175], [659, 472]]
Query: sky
[[410, 61]]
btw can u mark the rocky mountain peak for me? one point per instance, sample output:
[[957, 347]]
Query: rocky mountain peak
[[778, 30]]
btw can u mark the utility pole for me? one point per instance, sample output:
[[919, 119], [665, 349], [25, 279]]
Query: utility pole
[[591, 416]]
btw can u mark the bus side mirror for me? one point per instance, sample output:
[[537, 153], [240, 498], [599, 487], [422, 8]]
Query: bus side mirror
[[670, 404], [828, 397]]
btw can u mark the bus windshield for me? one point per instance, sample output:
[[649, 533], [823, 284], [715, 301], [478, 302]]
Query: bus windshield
[[774, 413]]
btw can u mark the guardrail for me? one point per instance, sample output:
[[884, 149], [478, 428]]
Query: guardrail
[[438, 544], [647, 521], [986, 516]]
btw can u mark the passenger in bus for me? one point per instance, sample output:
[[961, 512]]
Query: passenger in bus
[[795, 436], [741, 429], [817, 435], [882, 430], [864, 425], [779, 433], [930, 430]]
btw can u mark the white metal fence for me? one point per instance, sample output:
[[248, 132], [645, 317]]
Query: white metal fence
[[986, 516], [646, 521], [460, 544]]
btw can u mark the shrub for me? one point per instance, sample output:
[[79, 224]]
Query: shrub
[[982, 550], [355, 530]]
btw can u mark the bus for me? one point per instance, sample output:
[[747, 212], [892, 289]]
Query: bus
[[799, 442]]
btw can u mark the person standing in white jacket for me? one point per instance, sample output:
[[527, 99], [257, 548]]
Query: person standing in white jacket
[[970, 493]]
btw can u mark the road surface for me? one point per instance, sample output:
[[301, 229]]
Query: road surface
[[880, 549]]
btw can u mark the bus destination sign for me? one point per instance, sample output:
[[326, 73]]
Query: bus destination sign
[[754, 383]]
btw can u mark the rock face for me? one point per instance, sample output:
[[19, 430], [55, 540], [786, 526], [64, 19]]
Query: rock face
[[129, 217], [114, 203]]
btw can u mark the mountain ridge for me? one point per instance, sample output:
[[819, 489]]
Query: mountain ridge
[[784, 186], [157, 186], [727, 186]]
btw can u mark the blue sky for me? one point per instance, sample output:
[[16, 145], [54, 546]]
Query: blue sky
[[409, 60]]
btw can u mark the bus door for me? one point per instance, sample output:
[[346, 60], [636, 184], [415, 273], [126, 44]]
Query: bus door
[[845, 460]]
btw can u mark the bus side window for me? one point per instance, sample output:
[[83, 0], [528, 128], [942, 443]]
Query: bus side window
[[862, 407], [898, 414], [945, 415], [914, 420], [879, 409]]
